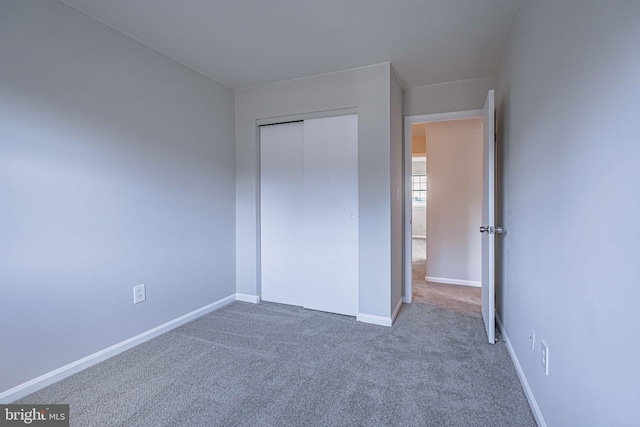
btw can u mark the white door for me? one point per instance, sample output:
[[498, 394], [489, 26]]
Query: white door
[[309, 214], [331, 214], [488, 228], [282, 212]]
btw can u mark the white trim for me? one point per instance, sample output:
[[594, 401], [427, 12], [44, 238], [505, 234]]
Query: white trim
[[537, 413], [418, 237], [307, 116], [448, 281], [396, 311], [42, 381], [254, 299], [407, 159], [445, 117], [374, 319]]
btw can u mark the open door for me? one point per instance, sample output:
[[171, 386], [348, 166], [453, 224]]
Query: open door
[[488, 228]]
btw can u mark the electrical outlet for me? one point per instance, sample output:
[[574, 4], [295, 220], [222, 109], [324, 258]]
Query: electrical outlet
[[139, 293], [545, 357], [532, 337]]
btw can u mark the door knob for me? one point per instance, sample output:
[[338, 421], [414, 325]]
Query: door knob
[[491, 229]]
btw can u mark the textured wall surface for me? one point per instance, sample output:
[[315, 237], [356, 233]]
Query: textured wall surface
[[116, 169], [568, 99]]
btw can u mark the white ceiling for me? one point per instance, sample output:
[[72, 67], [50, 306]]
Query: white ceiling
[[243, 43]]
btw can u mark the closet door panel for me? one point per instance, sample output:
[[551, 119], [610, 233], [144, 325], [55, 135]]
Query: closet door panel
[[331, 214], [282, 213]]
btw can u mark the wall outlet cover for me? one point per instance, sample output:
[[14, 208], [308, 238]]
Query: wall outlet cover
[[544, 353], [139, 293]]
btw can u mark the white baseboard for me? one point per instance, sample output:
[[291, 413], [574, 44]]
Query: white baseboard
[[537, 414], [42, 381], [454, 281], [374, 319], [254, 299], [396, 311], [380, 320]]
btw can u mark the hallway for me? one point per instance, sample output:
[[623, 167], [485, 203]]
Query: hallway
[[465, 299]]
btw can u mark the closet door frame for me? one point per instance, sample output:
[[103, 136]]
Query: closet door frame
[[281, 120]]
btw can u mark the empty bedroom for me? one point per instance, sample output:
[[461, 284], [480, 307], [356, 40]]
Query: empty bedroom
[[212, 213]]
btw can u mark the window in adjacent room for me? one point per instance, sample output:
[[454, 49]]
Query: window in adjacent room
[[419, 190]]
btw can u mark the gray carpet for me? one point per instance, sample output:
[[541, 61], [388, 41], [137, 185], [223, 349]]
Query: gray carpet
[[465, 299], [277, 365]]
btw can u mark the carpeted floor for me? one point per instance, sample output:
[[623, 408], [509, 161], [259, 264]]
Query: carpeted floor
[[276, 365], [465, 299]]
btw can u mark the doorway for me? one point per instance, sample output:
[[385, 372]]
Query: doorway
[[442, 245]]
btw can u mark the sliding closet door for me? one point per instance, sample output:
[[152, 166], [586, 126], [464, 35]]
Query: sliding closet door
[[331, 214], [282, 212]]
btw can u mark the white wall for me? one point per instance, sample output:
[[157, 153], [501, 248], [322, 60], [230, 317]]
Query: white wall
[[454, 208], [116, 168], [569, 137], [368, 89], [447, 97], [419, 221]]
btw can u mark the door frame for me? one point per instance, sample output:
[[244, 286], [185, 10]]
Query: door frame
[[406, 165], [266, 121]]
